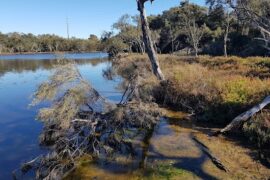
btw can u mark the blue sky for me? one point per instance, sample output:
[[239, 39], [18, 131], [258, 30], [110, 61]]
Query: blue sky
[[85, 16]]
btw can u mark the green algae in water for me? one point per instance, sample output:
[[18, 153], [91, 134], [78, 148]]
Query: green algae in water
[[89, 170], [167, 171]]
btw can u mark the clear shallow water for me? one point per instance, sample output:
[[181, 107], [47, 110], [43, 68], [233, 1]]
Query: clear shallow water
[[20, 76]]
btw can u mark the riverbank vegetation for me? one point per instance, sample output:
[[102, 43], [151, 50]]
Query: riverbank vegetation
[[25, 43], [213, 90], [83, 129], [190, 29]]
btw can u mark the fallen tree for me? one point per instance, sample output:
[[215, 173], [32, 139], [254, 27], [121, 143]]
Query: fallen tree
[[239, 120], [81, 122]]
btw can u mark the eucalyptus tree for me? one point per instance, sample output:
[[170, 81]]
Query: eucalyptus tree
[[112, 44], [170, 29], [130, 32], [256, 12], [93, 43], [193, 21], [226, 22], [137, 33]]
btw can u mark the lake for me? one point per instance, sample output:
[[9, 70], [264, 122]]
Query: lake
[[20, 76]]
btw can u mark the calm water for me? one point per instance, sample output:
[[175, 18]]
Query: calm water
[[19, 77]]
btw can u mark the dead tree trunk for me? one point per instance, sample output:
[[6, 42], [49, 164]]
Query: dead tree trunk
[[227, 26], [226, 40], [225, 45], [148, 40], [236, 122]]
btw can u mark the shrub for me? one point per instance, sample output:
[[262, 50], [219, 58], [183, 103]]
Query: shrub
[[258, 128], [216, 88]]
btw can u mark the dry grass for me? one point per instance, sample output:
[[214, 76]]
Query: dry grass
[[216, 89], [208, 85], [238, 159]]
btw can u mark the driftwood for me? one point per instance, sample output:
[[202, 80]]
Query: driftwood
[[207, 151], [236, 122]]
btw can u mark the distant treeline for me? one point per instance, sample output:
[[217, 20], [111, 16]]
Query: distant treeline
[[233, 27], [20, 43], [217, 29]]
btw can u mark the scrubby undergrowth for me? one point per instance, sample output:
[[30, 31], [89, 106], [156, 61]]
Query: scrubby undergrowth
[[80, 121], [212, 89]]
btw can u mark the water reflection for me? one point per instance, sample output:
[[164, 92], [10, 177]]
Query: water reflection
[[42, 56], [19, 66]]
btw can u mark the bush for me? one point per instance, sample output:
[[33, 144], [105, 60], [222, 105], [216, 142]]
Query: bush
[[216, 88], [258, 129]]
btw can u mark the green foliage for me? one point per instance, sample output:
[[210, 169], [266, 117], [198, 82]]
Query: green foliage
[[130, 32], [114, 46], [237, 91], [192, 26], [178, 29], [216, 89], [19, 43], [167, 171]]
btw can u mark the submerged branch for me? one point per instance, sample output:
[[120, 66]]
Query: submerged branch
[[213, 158]]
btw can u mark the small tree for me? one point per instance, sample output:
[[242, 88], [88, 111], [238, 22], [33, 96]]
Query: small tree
[[191, 15], [130, 32], [148, 40], [195, 34], [226, 22]]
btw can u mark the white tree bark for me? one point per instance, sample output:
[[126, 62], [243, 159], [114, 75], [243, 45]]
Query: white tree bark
[[149, 45], [227, 27], [239, 120]]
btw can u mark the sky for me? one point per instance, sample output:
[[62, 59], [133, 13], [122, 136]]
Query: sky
[[85, 17]]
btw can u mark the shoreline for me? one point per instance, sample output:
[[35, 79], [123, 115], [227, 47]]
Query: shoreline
[[55, 52]]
